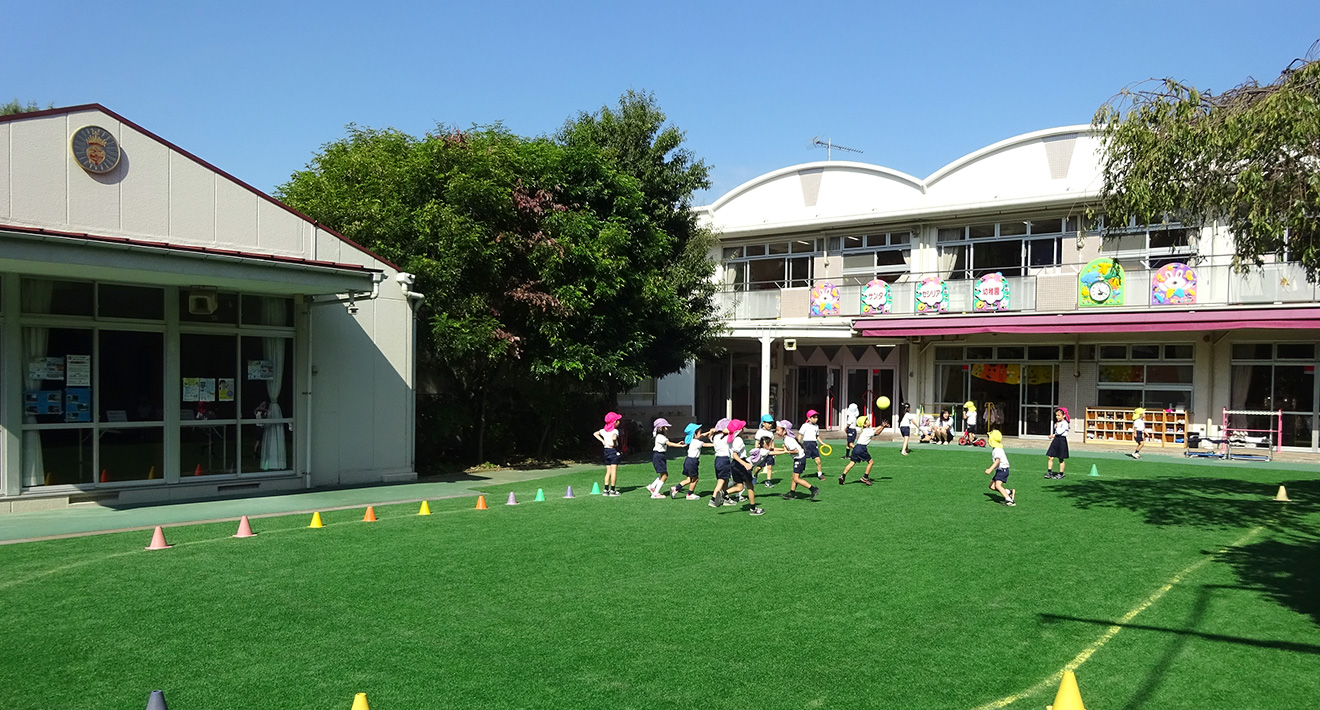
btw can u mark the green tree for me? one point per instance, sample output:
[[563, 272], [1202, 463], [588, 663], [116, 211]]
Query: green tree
[[1248, 157], [545, 275], [16, 106]]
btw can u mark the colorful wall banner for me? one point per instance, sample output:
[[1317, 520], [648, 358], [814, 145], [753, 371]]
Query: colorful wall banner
[[990, 293], [877, 297], [1012, 374], [825, 300], [1173, 284], [1101, 283], [932, 296]]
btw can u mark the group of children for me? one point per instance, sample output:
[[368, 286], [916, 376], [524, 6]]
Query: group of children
[[737, 467]]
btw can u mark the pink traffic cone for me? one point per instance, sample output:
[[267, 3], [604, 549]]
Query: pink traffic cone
[[512, 500], [158, 540], [244, 528]]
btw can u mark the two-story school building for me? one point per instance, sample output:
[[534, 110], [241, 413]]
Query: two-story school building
[[992, 280], [168, 332]]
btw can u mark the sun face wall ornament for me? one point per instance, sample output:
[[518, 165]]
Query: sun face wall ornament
[[95, 149]]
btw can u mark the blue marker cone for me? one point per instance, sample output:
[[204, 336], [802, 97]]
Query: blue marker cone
[[569, 494]]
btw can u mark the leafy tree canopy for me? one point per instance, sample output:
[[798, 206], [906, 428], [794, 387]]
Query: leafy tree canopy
[[16, 106], [1248, 157], [546, 263]]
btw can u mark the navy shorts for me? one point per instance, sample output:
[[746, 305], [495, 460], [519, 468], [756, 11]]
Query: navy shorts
[[768, 462], [1138, 436], [692, 467], [799, 464], [905, 430], [742, 474], [812, 448], [859, 453], [659, 461], [722, 464], [612, 457], [852, 434], [1001, 475]]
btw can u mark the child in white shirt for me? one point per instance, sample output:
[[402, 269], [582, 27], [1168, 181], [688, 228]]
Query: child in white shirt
[[999, 466], [1058, 444], [811, 439], [859, 451], [609, 439], [1138, 430], [660, 455], [695, 441]]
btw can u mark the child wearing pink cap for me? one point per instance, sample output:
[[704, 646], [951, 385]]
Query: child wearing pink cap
[[1058, 444], [608, 437], [742, 465], [725, 440], [810, 433]]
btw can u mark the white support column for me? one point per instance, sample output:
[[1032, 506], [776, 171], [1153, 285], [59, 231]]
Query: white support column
[[728, 390], [765, 376], [11, 384]]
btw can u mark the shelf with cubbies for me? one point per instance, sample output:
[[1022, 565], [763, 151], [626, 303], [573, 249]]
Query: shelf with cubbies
[[1110, 425]]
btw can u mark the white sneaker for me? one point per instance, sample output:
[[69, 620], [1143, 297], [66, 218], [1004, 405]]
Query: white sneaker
[[693, 496], [655, 495]]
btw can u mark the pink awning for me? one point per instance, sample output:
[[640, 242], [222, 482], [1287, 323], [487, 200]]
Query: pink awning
[[1077, 322]]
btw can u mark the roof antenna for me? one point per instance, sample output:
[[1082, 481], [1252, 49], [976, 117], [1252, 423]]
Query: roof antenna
[[830, 146]]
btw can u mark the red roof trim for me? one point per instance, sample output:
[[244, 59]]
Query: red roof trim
[[187, 248], [199, 161], [1304, 317]]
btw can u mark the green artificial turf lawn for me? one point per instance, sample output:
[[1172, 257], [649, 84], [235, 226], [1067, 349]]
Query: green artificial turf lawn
[[920, 592]]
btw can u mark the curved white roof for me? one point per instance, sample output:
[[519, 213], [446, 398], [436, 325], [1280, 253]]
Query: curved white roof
[[1052, 166]]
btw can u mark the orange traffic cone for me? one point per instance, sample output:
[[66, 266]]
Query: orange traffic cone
[[244, 528], [198, 470], [481, 502], [370, 517], [158, 540], [105, 476]]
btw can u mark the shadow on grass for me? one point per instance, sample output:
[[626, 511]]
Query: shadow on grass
[[1285, 567]]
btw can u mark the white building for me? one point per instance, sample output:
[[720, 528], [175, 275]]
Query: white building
[[990, 280], [168, 332]]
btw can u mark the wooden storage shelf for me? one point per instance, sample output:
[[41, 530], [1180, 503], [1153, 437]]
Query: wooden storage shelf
[[1113, 425]]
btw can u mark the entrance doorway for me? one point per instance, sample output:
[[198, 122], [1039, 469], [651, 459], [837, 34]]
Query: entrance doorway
[[862, 386], [1025, 394]]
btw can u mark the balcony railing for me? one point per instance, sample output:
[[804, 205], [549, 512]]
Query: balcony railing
[[1052, 290]]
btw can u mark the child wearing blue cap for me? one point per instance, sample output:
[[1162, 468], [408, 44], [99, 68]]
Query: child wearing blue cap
[[767, 463], [693, 439]]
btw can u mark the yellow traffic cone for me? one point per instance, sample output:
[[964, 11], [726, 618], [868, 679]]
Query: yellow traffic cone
[[1068, 697], [316, 520], [426, 509], [1282, 495], [360, 702]]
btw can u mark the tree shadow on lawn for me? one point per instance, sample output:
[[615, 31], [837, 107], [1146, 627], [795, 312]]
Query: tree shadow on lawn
[[1285, 568]]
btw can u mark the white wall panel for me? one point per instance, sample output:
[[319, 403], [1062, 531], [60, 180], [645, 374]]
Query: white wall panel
[[39, 163], [280, 231], [192, 202], [4, 170], [144, 193], [94, 200], [235, 216]]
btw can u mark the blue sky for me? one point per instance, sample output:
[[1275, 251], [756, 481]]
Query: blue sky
[[256, 88]]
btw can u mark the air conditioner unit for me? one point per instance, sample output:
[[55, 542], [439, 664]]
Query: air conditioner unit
[[201, 301]]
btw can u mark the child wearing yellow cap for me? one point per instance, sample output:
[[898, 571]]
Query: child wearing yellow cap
[[1138, 430], [859, 451], [999, 466]]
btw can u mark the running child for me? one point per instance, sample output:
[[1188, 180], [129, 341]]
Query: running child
[[743, 477], [694, 439], [791, 446], [609, 438], [906, 425], [1058, 444], [850, 428], [722, 439], [859, 451], [811, 440], [767, 431], [1138, 430], [999, 466], [660, 455]]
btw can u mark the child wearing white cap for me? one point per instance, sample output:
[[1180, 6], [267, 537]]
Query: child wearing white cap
[[660, 455]]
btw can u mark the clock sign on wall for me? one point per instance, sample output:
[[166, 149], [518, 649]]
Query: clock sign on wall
[[95, 149]]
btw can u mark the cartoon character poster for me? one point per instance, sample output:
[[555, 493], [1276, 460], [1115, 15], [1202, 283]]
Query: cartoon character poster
[[932, 296], [1173, 284], [877, 297], [1101, 283], [825, 300], [990, 293]]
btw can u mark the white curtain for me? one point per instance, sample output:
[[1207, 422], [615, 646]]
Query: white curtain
[[947, 258], [274, 452], [36, 299]]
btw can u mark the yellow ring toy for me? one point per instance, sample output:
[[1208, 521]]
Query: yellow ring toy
[[825, 450]]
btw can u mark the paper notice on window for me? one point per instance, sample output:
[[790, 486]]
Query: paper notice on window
[[206, 389], [191, 388], [224, 389], [78, 370], [260, 370], [46, 368], [78, 404]]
